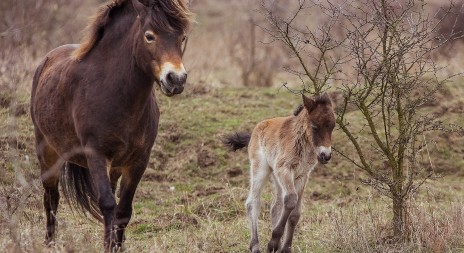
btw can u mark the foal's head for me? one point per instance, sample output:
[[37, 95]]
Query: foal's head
[[158, 41], [322, 123]]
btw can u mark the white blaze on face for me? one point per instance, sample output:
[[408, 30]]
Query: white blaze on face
[[327, 151], [168, 67]]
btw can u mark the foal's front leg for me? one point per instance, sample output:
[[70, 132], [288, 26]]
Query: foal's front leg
[[285, 179], [294, 217]]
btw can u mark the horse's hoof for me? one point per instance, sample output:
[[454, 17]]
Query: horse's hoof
[[273, 246]]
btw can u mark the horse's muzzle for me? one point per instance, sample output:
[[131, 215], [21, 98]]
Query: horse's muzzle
[[171, 90], [173, 83]]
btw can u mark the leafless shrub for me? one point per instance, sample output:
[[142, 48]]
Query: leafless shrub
[[388, 46]]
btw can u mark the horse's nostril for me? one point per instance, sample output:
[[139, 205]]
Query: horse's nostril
[[170, 77], [176, 79], [183, 78]]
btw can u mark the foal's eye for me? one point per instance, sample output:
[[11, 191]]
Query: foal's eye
[[149, 37]]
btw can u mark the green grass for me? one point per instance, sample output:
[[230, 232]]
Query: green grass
[[191, 198]]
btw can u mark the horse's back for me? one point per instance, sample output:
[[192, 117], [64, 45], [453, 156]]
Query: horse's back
[[53, 62]]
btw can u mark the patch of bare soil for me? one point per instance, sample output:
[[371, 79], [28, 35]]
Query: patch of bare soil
[[166, 221], [316, 196], [157, 177], [13, 142], [205, 157], [234, 172]]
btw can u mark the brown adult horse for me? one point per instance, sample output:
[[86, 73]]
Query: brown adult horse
[[94, 111]]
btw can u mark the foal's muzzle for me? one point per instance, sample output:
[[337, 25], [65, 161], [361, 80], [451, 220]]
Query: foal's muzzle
[[324, 154]]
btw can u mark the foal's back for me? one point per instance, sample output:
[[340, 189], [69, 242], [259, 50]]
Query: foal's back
[[273, 142]]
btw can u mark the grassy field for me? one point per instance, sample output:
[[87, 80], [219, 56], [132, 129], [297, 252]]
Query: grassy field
[[191, 198]]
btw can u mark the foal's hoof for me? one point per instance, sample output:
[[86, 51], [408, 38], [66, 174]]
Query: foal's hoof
[[49, 242], [255, 249]]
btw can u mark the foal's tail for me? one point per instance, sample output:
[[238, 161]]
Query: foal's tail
[[78, 189], [237, 140]]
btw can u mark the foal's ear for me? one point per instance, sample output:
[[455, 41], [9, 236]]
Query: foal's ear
[[141, 7], [324, 98], [308, 103]]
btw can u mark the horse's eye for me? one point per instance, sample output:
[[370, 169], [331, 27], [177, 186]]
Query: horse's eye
[[314, 127], [149, 37], [184, 38]]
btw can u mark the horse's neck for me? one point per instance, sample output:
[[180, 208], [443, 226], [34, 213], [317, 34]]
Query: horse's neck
[[113, 54], [115, 49]]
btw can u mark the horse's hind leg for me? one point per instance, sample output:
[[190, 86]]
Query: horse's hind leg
[[50, 166], [130, 179], [98, 168], [115, 174], [259, 174]]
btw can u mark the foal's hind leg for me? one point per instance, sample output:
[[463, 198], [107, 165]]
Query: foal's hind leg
[[259, 174], [277, 205], [50, 166]]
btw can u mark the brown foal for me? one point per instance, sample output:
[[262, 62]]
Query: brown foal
[[288, 149]]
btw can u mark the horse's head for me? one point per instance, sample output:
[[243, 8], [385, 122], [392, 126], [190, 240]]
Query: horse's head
[[322, 123], [158, 43]]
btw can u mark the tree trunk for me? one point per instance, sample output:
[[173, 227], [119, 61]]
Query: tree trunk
[[399, 210]]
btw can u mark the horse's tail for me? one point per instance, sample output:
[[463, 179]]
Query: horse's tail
[[78, 189], [237, 140]]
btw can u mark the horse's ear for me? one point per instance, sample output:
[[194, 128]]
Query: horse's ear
[[141, 7], [308, 103]]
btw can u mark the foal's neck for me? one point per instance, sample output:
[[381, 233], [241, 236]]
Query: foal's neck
[[302, 133]]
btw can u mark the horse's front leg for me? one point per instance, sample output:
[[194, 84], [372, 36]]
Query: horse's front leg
[[130, 179], [99, 166]]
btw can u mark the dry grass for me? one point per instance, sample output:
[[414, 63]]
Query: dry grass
[[194, 202]]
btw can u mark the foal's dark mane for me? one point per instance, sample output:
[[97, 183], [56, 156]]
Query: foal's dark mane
[[167, 16], [298, 110], [319, 100]]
